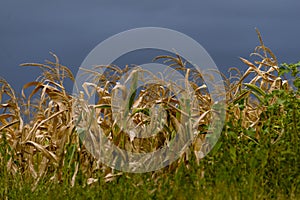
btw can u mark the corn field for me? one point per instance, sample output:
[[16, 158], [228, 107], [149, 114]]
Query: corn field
[[40, 136]]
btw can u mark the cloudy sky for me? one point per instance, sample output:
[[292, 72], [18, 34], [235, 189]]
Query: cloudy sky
[[71, 29]]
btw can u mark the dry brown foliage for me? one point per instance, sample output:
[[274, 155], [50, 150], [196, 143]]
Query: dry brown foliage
[[49, 145]]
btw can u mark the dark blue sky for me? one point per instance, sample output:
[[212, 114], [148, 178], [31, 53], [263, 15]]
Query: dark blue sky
[[71, 29]]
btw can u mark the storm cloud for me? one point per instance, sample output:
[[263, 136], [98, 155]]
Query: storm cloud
[[71, 29]]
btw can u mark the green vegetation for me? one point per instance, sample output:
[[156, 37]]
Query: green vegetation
[[256, 157]]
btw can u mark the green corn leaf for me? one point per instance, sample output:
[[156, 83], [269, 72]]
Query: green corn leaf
[[255, 89], [258, 92]]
